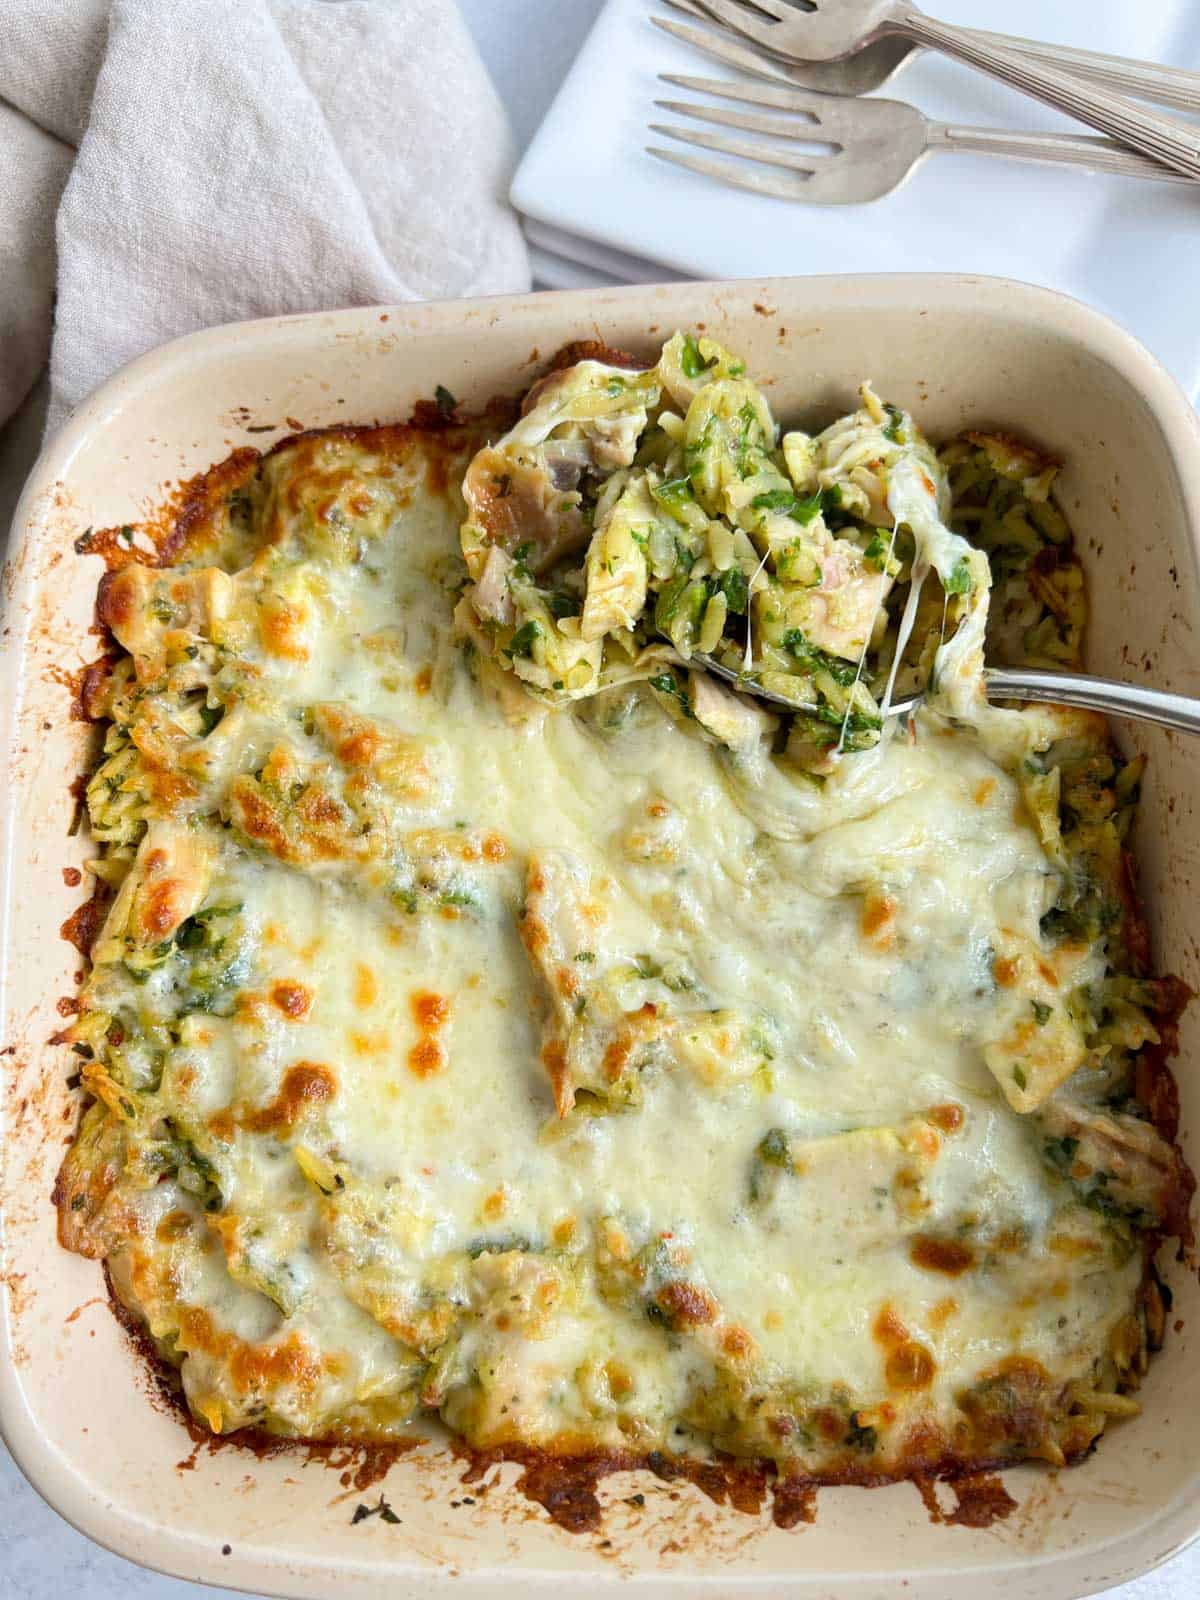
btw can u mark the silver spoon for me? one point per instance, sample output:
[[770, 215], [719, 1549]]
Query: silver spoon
[[829, 29], [871, 67], [1176, 711]]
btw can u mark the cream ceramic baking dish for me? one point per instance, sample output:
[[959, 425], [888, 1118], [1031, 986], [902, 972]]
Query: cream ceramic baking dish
[[74, 1401]]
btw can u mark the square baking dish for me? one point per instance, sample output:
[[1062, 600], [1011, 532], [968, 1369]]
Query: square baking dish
[[76, 1405]]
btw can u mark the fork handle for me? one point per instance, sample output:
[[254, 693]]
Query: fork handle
[[1176, 711], [1071, 149], [1175, 144], [1168, 86]]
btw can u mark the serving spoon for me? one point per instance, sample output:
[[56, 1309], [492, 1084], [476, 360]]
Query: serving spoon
[[1178, 711]]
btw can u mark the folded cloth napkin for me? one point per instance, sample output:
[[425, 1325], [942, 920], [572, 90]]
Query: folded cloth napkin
[[167, 165]]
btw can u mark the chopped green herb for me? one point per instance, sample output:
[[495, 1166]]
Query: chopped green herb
[[814, 659], [804, 511], [586, 955], [774, 500], [1041, 1011], [959, 580], [668, 683], [674, 494], [1019, 1078], [895, 428], [523, 640], [445, 402], [734, 587], [690, 359], [876, 552]]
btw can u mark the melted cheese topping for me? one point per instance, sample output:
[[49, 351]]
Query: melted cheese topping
[[528, 1067]]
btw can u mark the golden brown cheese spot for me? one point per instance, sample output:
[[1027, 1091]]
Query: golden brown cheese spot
[[256, 818], [948, 1117], [423, 681], [686, 1305], [293, 999], [426, 1057], [117, 598], [911, 1367], [887, 1329], [366, 986], [305, 1087], [737, 1343], [494, 848], [253, 1368], [948, 1256], [942, 1312], [554, 1059], [281, 626], [619, 1051], [162, 908], [223, 1125], [360, 748], [173, 1227], [495, 1205], [534, 935], [984, 791], [170, 789], [878, 922], [1006, 970], [430, 1012]]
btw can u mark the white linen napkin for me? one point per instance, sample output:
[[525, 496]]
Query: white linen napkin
[[200, 161]]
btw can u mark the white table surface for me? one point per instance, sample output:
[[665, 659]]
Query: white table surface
[[41, 1557]]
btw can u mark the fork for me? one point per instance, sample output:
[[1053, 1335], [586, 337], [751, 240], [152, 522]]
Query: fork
[[1178, 711], [830, 29], [876, 143], [872, 66]]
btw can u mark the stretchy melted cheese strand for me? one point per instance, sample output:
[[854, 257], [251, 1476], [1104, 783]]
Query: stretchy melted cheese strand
[[958, 666]]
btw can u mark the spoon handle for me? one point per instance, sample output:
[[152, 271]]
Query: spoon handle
[[1175, 144]]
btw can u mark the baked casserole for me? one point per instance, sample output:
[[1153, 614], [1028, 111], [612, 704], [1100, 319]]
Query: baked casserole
[[492, 1016]]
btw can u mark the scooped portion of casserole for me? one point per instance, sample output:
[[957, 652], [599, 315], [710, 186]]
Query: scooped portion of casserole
[[493, 1016]]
